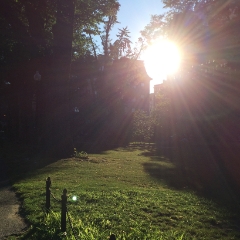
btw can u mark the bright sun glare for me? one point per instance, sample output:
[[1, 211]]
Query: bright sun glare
[[161, 59]]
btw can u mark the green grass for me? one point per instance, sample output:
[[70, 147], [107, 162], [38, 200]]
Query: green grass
[[130, 192]]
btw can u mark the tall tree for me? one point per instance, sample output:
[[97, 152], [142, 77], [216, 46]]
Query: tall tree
[[32, 33], [58, 98], [121, 45], [89, 18], [108, 25]]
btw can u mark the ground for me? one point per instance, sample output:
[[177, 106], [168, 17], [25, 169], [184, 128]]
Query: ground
[[11, 222]]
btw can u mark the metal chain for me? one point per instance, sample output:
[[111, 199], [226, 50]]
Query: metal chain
[[54, 197], [69, 219], [70, 223]]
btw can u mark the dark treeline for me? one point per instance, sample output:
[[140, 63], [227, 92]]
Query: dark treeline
[[56, 38], [39, 42], [57, 91]]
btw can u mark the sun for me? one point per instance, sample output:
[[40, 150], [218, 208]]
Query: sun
[[162, 58]]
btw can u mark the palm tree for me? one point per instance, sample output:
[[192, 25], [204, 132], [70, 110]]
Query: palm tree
[[122, 44]]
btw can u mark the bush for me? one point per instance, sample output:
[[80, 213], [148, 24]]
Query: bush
[[82, 154]]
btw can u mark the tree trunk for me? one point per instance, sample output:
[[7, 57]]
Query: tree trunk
[[58, 100]]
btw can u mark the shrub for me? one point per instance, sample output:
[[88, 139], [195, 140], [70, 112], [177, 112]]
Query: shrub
[[82, 154]]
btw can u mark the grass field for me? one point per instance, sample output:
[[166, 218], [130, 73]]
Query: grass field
[[131, 192]]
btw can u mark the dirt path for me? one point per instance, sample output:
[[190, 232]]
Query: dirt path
[[10, 221]]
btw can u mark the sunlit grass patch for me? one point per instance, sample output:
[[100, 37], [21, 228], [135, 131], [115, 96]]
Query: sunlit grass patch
[[115, 193]]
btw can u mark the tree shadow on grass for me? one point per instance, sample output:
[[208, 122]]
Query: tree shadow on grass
[[172, 174], [21, 160], [193, 168], [198, 169]]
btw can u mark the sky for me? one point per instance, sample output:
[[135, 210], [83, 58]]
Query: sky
[[136, 14]]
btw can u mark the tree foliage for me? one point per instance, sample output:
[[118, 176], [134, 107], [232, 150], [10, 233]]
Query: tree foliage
[[45, 35], [27, 26], [142, 127], [202, 93], [121, 45], [204, 28]]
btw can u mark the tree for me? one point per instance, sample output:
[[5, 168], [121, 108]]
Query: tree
[[108, 24], [90, 16], [28, 26], [207, 33], [142, 127], [155, 29], [121, 45], [39, 35]]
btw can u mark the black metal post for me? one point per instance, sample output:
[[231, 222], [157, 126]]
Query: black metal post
[[64, 211], [112, 237], [48, 185]]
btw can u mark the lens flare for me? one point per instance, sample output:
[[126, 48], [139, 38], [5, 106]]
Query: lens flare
[[74, 198]]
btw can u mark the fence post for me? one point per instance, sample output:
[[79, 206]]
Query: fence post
[[112, 237], [48, 185], [64, 211]]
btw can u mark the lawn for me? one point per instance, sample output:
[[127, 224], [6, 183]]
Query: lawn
[[131, 192]]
